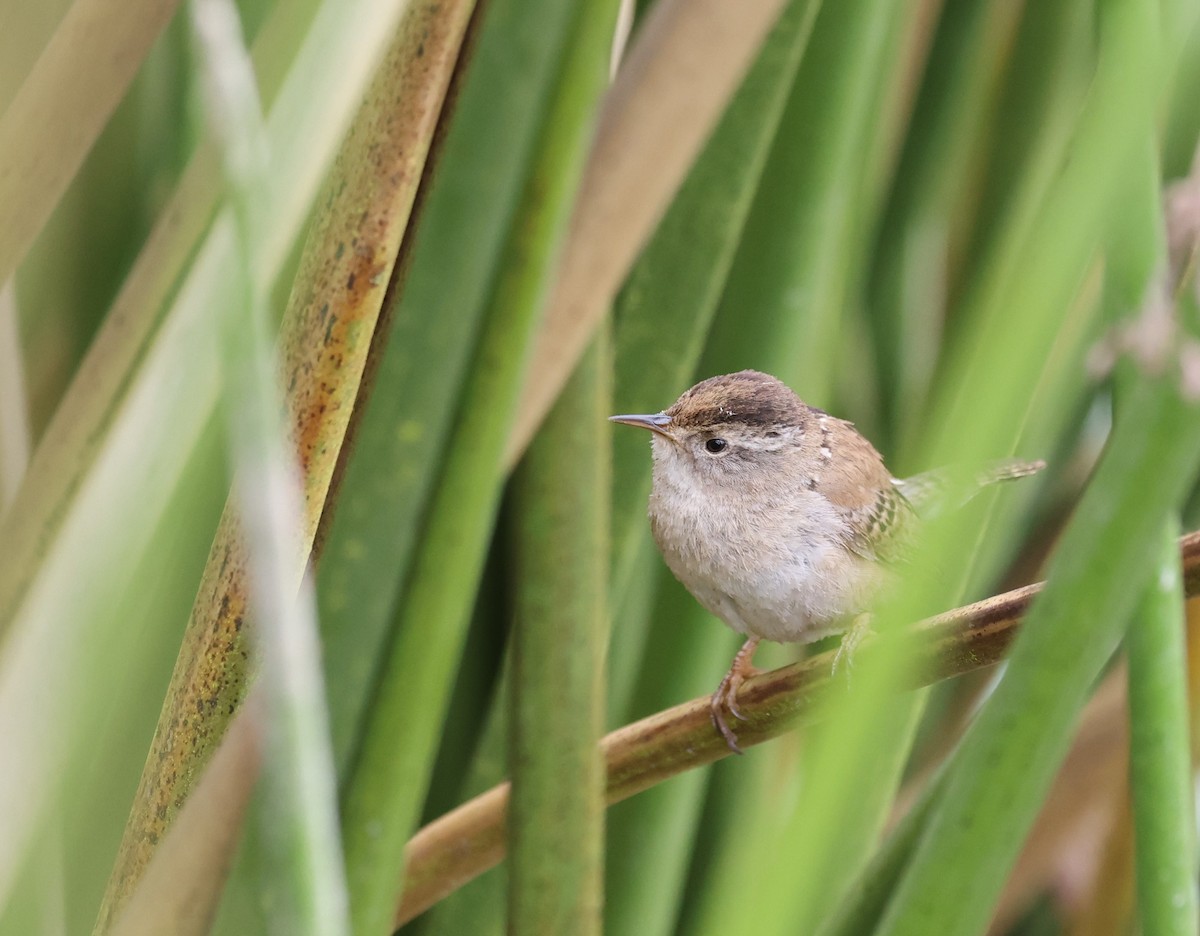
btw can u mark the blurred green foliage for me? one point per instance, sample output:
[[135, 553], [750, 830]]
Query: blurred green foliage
[[924, 216]]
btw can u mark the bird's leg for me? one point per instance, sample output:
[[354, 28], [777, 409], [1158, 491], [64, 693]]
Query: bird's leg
[[860, 629], [725, 698]]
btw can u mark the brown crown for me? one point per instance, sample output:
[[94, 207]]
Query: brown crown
[[748, 397]]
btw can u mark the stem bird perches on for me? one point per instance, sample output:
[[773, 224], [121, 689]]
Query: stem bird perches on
[[464, 843]]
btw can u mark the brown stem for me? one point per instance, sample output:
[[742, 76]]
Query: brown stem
[[464, 843]]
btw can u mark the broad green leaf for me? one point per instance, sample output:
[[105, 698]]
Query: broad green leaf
[[388, 783]]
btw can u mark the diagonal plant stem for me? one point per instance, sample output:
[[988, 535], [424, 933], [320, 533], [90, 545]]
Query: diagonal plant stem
[[464, 843]]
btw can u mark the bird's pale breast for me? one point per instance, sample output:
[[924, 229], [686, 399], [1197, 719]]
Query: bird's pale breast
[[775, 570]]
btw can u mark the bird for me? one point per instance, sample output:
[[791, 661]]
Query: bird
[[780, 519]]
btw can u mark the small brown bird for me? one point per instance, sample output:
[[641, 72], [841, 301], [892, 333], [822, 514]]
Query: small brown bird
[[779, 518]]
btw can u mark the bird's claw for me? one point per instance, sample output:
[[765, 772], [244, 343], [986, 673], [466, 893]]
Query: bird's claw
[[859, 631], [725, 698], [717, 710], [843, 659]]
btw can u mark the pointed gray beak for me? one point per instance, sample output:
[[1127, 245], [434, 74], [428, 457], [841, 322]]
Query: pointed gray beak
[[658, 422]]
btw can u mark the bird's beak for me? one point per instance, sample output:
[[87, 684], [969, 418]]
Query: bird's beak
[[657, 423]]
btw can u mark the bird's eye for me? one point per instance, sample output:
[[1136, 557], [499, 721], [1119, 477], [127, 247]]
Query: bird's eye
[[715, 446]]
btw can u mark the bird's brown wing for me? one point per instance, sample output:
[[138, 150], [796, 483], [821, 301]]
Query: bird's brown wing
[[879, 519], [881, 530]]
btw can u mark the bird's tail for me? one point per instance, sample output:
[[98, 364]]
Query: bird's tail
[[932, 491], [1008, 470]]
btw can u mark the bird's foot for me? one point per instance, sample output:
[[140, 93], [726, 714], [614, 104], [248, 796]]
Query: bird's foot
[[860, 629], [724, 700]]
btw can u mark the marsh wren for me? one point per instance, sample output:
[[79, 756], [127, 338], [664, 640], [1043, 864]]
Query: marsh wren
[[779, 518]]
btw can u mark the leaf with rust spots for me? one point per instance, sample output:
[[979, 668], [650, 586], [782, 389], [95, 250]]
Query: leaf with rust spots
[[326, 336]]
